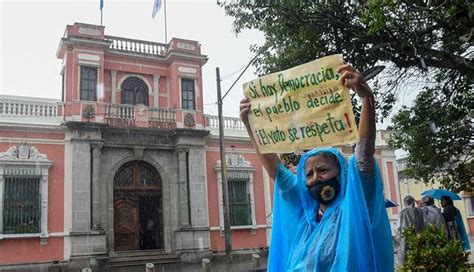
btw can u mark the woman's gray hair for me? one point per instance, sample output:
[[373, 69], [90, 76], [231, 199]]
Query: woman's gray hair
[[428, 200]]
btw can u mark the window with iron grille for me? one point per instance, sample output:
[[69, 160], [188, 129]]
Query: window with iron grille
[[24, 182], [187, 94], [239, 202], [88, 83], [21, 205]]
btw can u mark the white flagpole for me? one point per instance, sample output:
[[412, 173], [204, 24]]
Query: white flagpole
[[101, 6], [166, 29]]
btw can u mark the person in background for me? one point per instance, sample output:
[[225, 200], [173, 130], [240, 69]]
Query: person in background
[[432, 214], [409, 216], [330, 216], [454, 222]]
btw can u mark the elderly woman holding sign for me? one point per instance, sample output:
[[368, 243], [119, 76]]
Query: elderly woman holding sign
[[331, 215]]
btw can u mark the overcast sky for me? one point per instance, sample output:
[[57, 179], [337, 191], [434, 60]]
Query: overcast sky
[[30, 32]]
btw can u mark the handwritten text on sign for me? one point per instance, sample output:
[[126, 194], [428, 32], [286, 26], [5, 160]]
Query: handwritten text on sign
[[301, 108]]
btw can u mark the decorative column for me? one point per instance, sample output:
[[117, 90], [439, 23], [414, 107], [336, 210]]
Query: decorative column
[[2, 188], [44, 206], [96, 201], [156, 81], [183, 186], [113, 86]]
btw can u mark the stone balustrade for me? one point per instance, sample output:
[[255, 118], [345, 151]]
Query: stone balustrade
[[18, 106], [233, 126], [229, 122], [136, 46], [20, 109], [121, 111], [122, 115]]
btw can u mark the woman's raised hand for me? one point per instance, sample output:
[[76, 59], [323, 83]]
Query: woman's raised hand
[[353, 79], [244, 110]]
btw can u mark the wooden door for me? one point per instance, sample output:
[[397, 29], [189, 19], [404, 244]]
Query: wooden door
[[126, 225], [138, 222]]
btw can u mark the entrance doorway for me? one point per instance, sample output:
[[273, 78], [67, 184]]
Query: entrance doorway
[[138, 213]]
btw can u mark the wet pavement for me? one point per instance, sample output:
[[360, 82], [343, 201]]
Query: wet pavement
[[240, 263]]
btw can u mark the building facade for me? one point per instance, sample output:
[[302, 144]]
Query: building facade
[[410, 186], [125, 169]]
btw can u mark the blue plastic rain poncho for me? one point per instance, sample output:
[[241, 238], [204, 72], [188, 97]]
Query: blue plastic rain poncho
[[353, 235], [462, 231]]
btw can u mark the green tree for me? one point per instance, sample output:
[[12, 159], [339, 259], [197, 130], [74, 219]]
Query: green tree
[[427, 47]]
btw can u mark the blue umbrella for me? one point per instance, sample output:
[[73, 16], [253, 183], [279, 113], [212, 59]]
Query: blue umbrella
[[390, 203], [438, 193]]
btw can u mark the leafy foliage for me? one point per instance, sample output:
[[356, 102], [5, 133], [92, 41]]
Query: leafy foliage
[[427, 46], [439, 136], [430, 250]]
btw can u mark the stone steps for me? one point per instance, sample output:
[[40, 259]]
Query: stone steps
[[131, 259]]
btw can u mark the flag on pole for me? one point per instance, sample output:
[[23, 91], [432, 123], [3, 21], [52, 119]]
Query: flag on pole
[[101, 4], [156, 8]]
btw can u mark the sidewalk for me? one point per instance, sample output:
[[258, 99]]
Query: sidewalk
[[471, 241]]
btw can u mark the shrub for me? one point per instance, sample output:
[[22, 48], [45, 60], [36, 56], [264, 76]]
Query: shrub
[[430, 250]]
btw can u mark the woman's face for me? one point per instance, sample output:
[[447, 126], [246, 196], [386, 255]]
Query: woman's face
[[320, 168]]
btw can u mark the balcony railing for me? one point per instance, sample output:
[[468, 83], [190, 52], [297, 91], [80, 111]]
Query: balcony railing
[[136, 46], [27, 108], [121, 115], [229, 122], [162, 118], [19, 109]]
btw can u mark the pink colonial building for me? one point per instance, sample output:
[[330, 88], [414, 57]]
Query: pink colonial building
[[125, 169]]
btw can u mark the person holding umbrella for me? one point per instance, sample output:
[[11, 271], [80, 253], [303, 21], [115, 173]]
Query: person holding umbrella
[[454, 222]]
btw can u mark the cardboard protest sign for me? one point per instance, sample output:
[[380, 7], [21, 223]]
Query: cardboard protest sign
[[301, 108]]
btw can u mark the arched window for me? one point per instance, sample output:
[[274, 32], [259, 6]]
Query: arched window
[[134, 91]]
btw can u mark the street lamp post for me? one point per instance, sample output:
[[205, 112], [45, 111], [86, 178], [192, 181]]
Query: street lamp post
[[225, 191]]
